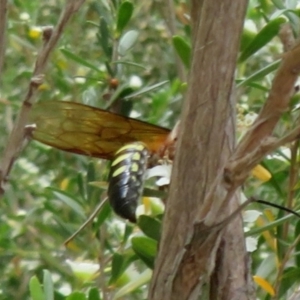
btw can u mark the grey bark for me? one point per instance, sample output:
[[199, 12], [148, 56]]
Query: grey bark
[[197, 259]]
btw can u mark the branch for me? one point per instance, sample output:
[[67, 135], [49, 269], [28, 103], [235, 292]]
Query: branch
[[236, 172], [286, 36], [18, 135], [282, 266], [276, 104], [258, 141]]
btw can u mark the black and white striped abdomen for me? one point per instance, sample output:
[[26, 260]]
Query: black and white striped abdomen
[[126, 179]]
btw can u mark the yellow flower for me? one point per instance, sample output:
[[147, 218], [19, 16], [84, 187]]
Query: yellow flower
[[35, 32]]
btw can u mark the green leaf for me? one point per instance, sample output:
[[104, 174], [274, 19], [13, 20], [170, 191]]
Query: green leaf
[[289, 278], [134, 284], [117, 267], [255, 85], [36, 290], [55, 263], [266, 266], [124, 15], [79, 59], [183, 49], [81, 186], [148, 192], [103, 215], [280, 12], [260, 74], [297, 248], [116, 95], [94, 294], [104, 38], [129, 63], [58, 296], [262, 38], [48, 285], [269, 226], [127, 41], [146, 89], [150, 226], [90, 177], [145, 248], [246, 38], [127, 232], [76, 296], [68, 200]]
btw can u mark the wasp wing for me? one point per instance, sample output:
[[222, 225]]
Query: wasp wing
[[91, 131]]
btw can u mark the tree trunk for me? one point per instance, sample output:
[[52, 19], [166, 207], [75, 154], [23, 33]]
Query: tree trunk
[[198, 259]]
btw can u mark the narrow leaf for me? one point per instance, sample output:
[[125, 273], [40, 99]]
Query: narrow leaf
[[79, 60], [246, 38], [297, 248], [261, 173], [103, 215], [183, 49], [129, 63], [150, 226], [260, 74], [117, 267], [264, 284], [124, 15], [289, 277], [127, 41], [145, 248], [104, 38], [269, 226], [262, 38], [134, 284], [146, 89], [68, 200], [94, 294], [76, 296], [36, 290], [48, 285]]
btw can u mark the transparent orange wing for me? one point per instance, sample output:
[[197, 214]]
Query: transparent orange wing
[[87, 130]]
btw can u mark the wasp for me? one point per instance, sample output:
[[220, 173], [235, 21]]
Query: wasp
[[130, 144]]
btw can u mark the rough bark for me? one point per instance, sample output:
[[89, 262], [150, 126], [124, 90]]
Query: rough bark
[[197, 257]]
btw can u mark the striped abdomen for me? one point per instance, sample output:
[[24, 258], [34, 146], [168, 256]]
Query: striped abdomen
[[126, 179]]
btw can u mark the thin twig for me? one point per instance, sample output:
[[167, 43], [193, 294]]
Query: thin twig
[[18, 135], [238, 170], [86, 223], [283, 265], [235, 213], [293, 179], [290, 211], [258, 141]]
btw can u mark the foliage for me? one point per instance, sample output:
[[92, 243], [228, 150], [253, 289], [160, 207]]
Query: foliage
[[121, 54]]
